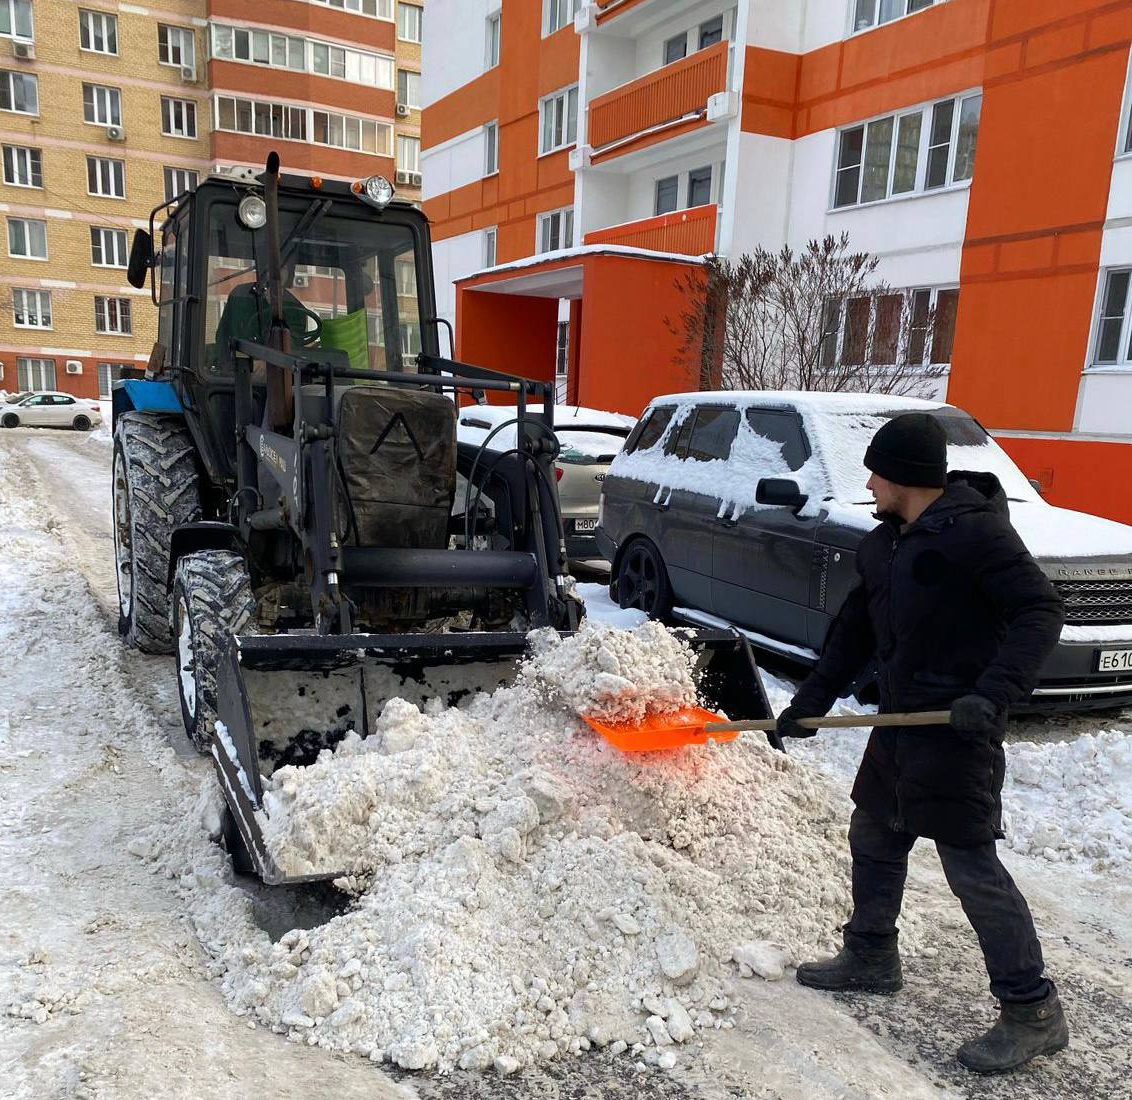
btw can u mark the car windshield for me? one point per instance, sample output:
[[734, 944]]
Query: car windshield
[[350, 283], [583, 446], [18, 398], [844, 437]]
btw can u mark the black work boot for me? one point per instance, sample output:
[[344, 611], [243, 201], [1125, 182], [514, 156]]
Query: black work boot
[[856, 969], [1022, 1032]]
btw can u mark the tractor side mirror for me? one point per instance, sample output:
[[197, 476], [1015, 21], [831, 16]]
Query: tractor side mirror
[[782, 492], [141, 259]]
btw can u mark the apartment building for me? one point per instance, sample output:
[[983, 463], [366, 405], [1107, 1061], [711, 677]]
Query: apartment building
[[108, 109], [579, 163]]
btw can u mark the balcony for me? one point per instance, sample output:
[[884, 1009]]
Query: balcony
[[667, 95], [687, 232]]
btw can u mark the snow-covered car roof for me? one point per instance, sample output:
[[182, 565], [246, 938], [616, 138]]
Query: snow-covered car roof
[[803, 400], [475, 422]]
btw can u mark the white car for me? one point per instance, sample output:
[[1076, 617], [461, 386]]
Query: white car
[[52, 409]]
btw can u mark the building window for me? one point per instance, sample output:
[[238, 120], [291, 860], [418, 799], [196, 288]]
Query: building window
[[19, 93], [409, 88], [376, 9], [35, 374], [106, 177], [16, 20], [558, 13], [248, 116], [408, 153], [405, 272], [108, 374], [27, 238], [676, 49], [1114, 326], [919, 150], [108, 247], [490, 247], [491, 148], [667, 195], [98, 31], [178, 181], [871, 13], [556, 230], [102, 105], [915, 328], [711, 32], [282, 51], [409, 22], [176, 46], [699, 187], [23, 166], [494, 39], [178, 117], [559, 120], [112, 316], [31, 308]]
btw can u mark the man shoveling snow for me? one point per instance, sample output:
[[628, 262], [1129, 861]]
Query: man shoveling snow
[[958, 614]]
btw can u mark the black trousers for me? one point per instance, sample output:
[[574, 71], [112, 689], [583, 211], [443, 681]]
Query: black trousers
[[997, 911]]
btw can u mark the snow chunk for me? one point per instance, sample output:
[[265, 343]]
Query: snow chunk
[[767, 960], [678, 957]]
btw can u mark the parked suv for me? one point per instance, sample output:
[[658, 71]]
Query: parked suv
[[746, 509]]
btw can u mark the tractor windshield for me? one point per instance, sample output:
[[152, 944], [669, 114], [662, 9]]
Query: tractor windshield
[[350, 283]]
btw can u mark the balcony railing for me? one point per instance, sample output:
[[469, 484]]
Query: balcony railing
[[668, 94], [688, 232]]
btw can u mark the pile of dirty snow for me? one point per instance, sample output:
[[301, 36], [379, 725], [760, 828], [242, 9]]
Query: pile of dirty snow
[[524, 890]]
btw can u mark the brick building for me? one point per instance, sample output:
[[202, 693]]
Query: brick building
[[109, 108]]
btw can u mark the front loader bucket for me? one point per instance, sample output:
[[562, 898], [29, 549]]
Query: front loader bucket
[[282, 699]]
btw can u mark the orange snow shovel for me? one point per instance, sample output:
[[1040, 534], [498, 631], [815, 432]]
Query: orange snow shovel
[[695, 726]]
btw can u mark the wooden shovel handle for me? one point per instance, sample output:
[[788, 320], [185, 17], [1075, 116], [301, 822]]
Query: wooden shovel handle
[[839, 721]]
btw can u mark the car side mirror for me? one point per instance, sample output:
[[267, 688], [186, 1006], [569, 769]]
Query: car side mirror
[[141, 259], [1035, 484], [782, 492]]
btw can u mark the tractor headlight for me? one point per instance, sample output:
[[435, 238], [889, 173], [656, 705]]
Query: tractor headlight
[[252, 212], [376, 190]]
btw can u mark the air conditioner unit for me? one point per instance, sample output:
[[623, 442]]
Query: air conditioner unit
[[116, 133], [74, 366], [402, 110], [416, 179], [23, 51], [301, 282], [188, 74], [404, 177]]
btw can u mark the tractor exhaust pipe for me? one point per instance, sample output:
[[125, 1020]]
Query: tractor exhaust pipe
[[280, 399]]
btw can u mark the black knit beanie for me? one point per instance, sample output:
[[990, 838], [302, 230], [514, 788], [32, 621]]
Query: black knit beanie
[[911, 449]]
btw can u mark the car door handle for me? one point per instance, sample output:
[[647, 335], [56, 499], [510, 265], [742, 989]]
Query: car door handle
[[661, 507], [727, 523]]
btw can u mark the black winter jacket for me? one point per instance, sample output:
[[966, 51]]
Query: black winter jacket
[[948, 605]]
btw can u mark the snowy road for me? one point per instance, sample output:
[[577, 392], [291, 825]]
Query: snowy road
[[109, 993]]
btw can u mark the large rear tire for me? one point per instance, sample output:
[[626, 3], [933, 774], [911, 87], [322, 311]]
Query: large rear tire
[[642, 580], [155, 491], [212, 600]]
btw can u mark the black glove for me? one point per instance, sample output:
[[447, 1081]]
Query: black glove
[[975, 718], [788, 722]]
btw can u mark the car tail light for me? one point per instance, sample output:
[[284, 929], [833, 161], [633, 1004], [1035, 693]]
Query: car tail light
[[93, 407], [557, 473], [600, 510]]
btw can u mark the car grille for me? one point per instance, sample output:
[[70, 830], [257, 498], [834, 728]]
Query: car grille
[[1089, 602]]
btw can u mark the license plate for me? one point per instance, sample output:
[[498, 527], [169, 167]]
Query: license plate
[[1115, 660], [584, 525]]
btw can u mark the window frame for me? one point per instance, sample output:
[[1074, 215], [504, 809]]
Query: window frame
[[46, 257], [184, 34], [546, 218], [12, 76], [167, 176], [336, 122], [557, 15], [493, 46], [410, 140], [491, 250], [109, 20], [188, 112], [491, 148], [38, 363], [904, 329], [926, 112], [97, 160], [674, 181], [40, 295], [1123, 360], [413, 103], [419, 18], [15, 150], [550, 102], [112, 94], [109, 367], [104, 315], [13, 22], [855, 28], [98, 232]]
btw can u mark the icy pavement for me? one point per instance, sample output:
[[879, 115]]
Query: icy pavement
[[119, 963]]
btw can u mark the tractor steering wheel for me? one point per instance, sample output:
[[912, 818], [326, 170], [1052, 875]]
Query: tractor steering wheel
[[312, 336]]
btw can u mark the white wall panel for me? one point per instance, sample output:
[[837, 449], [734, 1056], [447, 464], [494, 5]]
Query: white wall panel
[[455, 258], [455, 45], [454, 164]]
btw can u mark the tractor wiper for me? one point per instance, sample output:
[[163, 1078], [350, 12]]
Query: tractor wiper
[[313, 214]]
